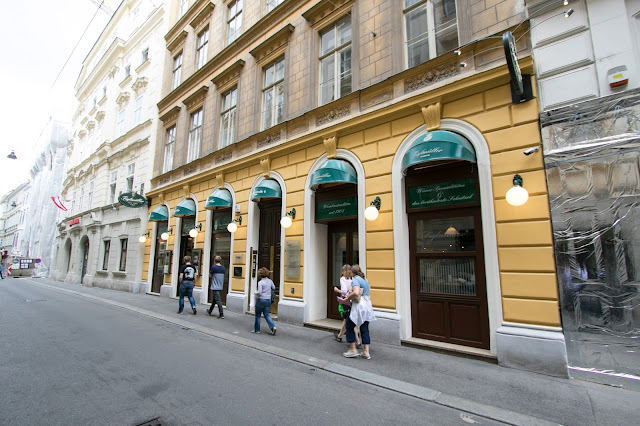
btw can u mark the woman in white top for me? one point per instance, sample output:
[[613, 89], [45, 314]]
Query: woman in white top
[[361, 314], [263, 300], [344, 305]]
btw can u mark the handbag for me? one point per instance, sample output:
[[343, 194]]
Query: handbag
[[358, 295], [273, 296]]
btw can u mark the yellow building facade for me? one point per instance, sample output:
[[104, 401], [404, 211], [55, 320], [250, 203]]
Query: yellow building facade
[[464, 271]]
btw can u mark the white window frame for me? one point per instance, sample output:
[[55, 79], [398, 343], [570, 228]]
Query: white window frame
[[195, 135], [113, 184], [137, 112], [234, 21], [124, 246], [177, 70], [81, 199], [335, 53], [202, 48], [430, 32], [121, 119], [271, 88], [73, 203], [131, 170], [105, 254], [184, 6], [229, 113], [90, 196], [170, 139], [272, 4]]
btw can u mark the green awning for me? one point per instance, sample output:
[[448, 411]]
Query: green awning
[[186, 208], [333, 171], [267, 189], [438, 145], [219, 199], [159, 214]]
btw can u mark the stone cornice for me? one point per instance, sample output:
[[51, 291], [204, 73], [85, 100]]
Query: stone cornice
[[232, 73], [171, 116], [113, 52], [177, 41], [123, 98], [325, 9], [182, 21], [202, 16], [140, 84], [196, 99], [273, 43]]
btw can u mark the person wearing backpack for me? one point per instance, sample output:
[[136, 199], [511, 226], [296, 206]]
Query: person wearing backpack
[[264, 296], [217, 281], [187, 279]]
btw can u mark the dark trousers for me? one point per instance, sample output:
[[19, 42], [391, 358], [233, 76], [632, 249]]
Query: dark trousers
[[364, 332], [218, 300]]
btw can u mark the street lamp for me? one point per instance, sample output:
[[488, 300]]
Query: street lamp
[[12, 155]]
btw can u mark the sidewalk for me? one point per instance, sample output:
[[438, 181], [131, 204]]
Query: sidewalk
[[471, 385]]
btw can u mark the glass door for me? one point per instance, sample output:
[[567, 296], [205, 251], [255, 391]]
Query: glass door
[[221, 246], [343, 250]]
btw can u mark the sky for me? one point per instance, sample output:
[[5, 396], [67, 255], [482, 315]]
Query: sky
[[39, 36]]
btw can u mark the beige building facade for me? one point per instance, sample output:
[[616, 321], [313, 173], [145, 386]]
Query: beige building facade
[[325, 107]]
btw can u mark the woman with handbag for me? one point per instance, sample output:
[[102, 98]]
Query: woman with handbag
[[345, 305], [266, 289], [361, 314]]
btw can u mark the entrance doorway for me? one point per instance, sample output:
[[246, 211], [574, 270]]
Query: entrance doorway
[[159, 260], [85, 259], [269, 243], [448, 285], [186, 244], [221, 246], [343, 250]]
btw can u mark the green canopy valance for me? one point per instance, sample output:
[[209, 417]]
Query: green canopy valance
[[219, 199], [159, 214], [186, 207], [333, 172], [267, 189], [438, 145]]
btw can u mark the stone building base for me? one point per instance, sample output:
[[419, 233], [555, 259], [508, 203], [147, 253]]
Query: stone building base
[[539, 351]]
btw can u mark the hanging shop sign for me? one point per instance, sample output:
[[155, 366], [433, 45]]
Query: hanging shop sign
[[75, 221], [133, 200], [442, 194], [521, 90], [333, 209]]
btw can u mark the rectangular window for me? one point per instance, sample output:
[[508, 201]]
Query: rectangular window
[[335, 61], [228, 118], [168, 149], [234, 21], [120, 124], [90, 196], [141, 189], [184, 5], [195, 136], [73, 203], [201, 48], [127, 70], [271, 4], [131, 168], [81, 199], [145, 55], [105, 257], [177, 71], [123, 254], [273, 94], [137, 112], [430, 29], [112, 187]]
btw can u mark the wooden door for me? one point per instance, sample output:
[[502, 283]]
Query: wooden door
[[343, 250], [269, 243], [221, 246], [158, 262]]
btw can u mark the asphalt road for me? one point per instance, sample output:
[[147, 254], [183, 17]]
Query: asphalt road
[[69, 360]]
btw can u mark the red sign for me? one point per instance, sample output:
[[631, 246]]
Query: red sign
[[75, 221]]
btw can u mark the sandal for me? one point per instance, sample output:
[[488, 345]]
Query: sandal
[[351, 354], [339, 339]]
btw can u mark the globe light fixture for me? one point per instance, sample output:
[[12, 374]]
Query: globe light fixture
[[286, 221], [194, 232], [517, 195], [143, 237], [372, 212], [232, 227], [165, 234]]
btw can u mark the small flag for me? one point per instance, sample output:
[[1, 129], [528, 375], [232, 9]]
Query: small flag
[[58, 202]]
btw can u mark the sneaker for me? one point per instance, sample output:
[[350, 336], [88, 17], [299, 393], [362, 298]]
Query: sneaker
[[194, 311], [273, 331], [351, 354], [221, 316], [365, 356], [179, 312], [208, 312], [256, 332]]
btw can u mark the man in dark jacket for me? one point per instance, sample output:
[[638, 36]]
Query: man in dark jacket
[[217, 281], [187, 279]]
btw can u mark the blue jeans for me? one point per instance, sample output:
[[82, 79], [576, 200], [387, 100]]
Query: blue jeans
[[263, 306], [188, 291], [364, 332]]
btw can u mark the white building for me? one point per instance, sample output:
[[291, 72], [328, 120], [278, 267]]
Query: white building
[[111, 151], [14, 208], [587, 61], [46, 176]]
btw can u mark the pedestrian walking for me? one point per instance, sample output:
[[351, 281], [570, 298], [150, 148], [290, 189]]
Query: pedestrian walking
[[1, 275], [264, 294], [361, 314], [344, 305], [187, 278], [217, 281]]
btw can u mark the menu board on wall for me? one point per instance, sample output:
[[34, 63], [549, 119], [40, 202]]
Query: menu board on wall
[[292, 259], [442, 194]]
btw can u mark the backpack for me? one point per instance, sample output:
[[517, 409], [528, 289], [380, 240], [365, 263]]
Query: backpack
[[189, 273]]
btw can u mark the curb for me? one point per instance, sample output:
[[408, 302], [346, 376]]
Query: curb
[[420, 392]]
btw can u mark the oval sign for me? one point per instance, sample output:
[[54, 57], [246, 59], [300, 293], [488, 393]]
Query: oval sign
[[38, 260], [131, 199]]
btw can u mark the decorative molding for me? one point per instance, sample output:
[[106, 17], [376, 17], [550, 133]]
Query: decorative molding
[[182, 21], [189, 170], [125, 81], [143, 65], [84, 120], [164, 180], [325, 9], [268, 139], [220, 180], [177, 42], [431, 76], [432, 115], [113, 71], [202, 16], [223, 158], [171, 116], [140, 84], [266, 167], [228, 76], [196, 100], [272, 44], [333, 114], [331, 145], [91, 125], [82, 133], [123, 98], [100, 115], [371, 99]]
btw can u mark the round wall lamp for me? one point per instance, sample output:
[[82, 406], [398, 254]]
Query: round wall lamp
[[194, 232], [232, 227], [165, 234], [372, 212], [143, 237], [517, 195], [286, 221]]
